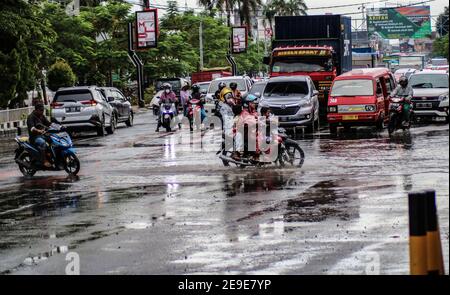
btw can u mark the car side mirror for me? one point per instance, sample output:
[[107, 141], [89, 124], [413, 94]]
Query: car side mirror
[[110, 98], [315, 92]]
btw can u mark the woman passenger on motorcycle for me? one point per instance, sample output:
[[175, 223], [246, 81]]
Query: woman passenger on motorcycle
[[406, 91], [196, 95], [236, 93], [249, 117]]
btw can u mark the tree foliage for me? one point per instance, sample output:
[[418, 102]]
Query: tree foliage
[[440, 47], [59, 75], [442, 23]]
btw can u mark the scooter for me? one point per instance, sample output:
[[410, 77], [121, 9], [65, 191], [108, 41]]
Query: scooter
[[167, 113], [194, 107], [60, 153], [289, 152], [396, 105]]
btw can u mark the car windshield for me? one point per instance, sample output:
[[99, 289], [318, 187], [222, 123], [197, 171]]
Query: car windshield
[[357, 87], [290, 65], [215, 84], [429, 81], [73, 96], [204, 86], [257, 88], [176, 84], [286, 88]]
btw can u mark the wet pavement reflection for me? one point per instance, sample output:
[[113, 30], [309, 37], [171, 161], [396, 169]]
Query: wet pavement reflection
[[162, 203]]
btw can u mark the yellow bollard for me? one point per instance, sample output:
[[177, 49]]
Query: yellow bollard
[[417, 234], [435, 260]]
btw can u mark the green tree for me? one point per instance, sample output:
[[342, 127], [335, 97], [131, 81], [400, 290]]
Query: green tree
[[283, 8], [440, 47], [59, 75]]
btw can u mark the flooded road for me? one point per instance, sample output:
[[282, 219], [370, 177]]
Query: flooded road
[[159, 203]]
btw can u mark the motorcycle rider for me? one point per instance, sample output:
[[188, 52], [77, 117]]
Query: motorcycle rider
[[168, 96], [249, 117], [236, 93], [196, 94], [36, 123], [404, 90]]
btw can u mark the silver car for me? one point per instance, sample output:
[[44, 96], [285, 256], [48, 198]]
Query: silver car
[[83, 108], [294, 100], [430, 94]]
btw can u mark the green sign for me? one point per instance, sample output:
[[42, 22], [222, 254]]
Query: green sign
[[400, 23]]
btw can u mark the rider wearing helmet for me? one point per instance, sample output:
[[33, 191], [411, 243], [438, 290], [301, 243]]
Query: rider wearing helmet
[[248, 117], [236, 93], [168, 96], [404, 90], [197, 95], [36, 123]]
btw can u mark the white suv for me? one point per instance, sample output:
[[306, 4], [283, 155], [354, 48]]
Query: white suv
[[83, 108]]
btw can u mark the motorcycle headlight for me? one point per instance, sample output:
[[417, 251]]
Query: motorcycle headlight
[[332, 109], [443, 97], [370, 108]]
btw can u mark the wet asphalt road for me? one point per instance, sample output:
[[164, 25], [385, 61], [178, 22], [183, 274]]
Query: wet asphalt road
[[148, 203]]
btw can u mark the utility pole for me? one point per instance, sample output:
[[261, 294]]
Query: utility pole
[[200, 36]]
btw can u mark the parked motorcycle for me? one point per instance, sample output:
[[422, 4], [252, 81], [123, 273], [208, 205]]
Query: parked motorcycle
[[396, 106], [289, 152], [60, 153], [167, 113]]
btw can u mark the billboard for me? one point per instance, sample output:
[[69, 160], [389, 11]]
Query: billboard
[[400, 23], [239, 39], [146, 29]]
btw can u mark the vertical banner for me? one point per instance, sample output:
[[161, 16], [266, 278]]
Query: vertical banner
[[239, 39], [146, 29]]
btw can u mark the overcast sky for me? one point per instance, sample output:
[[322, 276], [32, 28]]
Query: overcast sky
[[437, 6]]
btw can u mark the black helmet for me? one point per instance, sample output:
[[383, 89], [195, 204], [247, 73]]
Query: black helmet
[[195, 88], [403, 81], [222, 85], [233, 85]]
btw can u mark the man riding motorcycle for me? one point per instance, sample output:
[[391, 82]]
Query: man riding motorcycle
[[404, 90], [36, 123], [168, 96]]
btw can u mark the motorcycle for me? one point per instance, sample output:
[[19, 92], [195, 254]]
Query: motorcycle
[[167, 113], [289, 152], [194, 107], [60, 153], [396, 105]]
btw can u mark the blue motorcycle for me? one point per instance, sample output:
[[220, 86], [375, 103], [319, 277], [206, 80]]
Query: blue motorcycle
[[60, 153]]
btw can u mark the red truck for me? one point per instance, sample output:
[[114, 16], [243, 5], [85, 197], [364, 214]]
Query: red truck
[[318, 46], [209, 74]]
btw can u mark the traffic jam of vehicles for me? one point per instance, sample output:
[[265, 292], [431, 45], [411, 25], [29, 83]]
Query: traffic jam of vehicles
[[303, 169]]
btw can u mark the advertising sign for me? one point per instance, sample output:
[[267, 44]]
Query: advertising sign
[[299, 52], [239, 39], [146, 29], [401, 22]]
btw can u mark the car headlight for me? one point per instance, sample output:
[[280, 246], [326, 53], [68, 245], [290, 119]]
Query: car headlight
[[306, 103], [332, 109], [443, 97], [370, 108]]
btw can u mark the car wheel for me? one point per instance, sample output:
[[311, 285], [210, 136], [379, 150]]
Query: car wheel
[[311, 127], [380, 124], [112, 125], [129, 122], [101, 129]]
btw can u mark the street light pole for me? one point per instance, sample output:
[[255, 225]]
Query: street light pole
[[200, 36]]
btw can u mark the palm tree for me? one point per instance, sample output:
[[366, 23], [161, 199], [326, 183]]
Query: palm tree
[[246, 9], [283, 8], [221, 5]]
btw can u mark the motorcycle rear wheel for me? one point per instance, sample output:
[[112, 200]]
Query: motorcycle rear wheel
[[392, 124], [295, 153], [28, 172]]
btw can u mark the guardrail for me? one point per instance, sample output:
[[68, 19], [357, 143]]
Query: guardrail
[[14, 118]]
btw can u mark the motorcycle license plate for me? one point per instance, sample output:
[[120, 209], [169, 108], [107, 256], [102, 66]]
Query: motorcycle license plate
[[72, 109], [350, 117], [424, 105]]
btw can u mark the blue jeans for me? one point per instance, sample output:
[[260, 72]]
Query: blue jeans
[[41, 145]]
